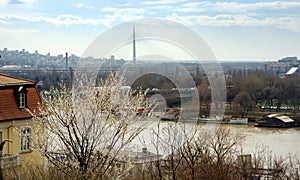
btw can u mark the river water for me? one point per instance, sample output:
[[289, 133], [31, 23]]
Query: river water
[[278, 141]]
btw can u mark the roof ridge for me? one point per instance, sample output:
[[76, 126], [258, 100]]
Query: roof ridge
[[16, 78]]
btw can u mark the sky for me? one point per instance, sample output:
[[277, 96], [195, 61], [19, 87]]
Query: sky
[[234, 30]]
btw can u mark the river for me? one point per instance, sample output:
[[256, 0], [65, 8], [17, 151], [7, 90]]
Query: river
[[280, 142]]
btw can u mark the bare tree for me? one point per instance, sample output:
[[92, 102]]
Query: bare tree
[[197, 154], [194, 152], [224, 146], [167, 140], [86, 128]]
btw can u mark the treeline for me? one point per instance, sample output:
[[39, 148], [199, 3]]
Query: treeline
[[255, 90], [246, 89]]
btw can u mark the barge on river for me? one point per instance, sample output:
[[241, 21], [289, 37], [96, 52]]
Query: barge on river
[[276, 121]]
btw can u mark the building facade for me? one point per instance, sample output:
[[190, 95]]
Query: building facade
[[18, 97]]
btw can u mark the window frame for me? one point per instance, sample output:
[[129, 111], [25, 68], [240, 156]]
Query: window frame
[[22, 100], [26, 139]]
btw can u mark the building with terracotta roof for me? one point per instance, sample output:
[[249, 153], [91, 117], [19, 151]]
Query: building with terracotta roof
[[17, 97]]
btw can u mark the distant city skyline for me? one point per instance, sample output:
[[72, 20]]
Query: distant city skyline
[[234, 30]]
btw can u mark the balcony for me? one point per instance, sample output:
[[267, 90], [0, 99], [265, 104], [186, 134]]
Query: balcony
[[9, 160]]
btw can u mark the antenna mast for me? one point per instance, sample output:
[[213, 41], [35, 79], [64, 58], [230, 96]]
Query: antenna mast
[[134, 53], [67, 61]]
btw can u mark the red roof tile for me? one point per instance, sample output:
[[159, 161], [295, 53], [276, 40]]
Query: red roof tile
[[9, 109]]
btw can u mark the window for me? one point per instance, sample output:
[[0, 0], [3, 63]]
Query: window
[[26, 139], [22, 100]]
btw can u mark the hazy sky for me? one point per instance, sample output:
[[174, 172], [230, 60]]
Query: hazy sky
[[234, 30]]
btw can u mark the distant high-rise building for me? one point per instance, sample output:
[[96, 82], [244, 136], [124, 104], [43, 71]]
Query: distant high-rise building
[[112, 61], [288, 59], [281, 66]]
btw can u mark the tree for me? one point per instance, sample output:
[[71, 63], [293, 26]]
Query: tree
[[245, 101], [253, 86], [280, 86], [205, 97], [167, 141], [198, 154], [292, 90], [268, 94], [85, 128]]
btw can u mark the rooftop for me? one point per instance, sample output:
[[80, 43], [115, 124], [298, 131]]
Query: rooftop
[[9, 99], [6, 80], [292, 71], [281, 117]]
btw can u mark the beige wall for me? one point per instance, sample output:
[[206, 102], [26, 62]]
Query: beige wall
[[11, 131]]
